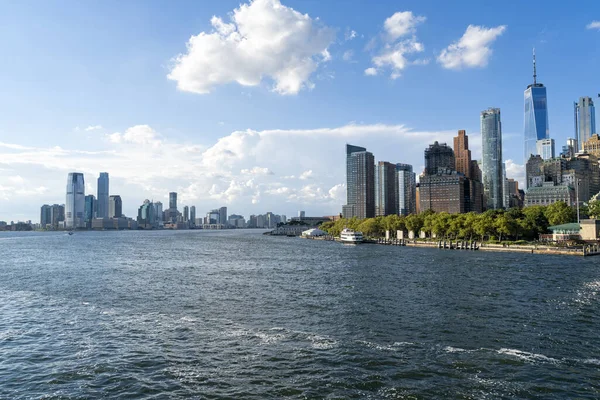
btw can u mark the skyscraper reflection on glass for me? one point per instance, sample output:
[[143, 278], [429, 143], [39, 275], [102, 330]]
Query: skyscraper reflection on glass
[[491, 135], [536, 115]]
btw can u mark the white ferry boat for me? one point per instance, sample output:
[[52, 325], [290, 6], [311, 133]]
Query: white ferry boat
[[349, 236]]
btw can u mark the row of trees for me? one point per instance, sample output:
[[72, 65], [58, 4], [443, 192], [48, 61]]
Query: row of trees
[[513, 224]]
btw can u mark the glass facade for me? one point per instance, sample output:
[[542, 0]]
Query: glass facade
[[491, 134], [407, 189], [75, 204], [545, 148], [102, 206], [536, 118], [360, 182], [585, 120]]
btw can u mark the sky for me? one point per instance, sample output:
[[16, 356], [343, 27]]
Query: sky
[[249, 105]]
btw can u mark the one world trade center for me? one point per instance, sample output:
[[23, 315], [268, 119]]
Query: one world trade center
[[536, 115]]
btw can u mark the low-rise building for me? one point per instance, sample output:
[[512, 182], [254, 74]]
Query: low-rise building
[[549, 194]]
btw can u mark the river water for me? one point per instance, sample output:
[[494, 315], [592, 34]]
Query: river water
[[235, 314]]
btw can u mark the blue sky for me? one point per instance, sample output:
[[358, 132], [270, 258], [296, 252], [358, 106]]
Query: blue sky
[[260, 126]]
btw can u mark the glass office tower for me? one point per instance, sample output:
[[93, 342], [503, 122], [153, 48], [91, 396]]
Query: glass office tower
[[585, 120], [75, 202], [536, 115], [491, 135]]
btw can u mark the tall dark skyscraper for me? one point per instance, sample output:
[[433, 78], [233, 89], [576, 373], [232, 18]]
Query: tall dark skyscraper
[[360, 183], [173, 200], [438, 156], [103, 193], [493, 177], [536, 115], [386, 199]]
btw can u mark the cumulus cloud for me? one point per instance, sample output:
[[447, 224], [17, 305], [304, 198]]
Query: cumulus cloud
[[515, 171], [593, 25], [371, 71], [263, 38], [236, 170], [399, 43], [472, 49], [350, 34], [257, 171], [401, 24], [306, 175], [139, 134]]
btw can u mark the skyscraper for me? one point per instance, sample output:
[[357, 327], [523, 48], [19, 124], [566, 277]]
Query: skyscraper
[[545, 148], [491, 135], [75, 204], [158, 211], [173, 200], [45, 216], [469, 168], [90, 201], [462, 154], [438, 156], [115, 206], [406, 189], [193, 215], [386, 200], [360, 183], [103, 193], [186, 214], [536, 115], [585, 120], [223, 215]]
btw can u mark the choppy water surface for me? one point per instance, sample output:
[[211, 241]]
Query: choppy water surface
[[195, 314]]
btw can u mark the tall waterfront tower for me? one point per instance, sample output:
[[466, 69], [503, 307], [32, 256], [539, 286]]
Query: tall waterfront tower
[[75, 202], [491, 135], [102, 198], [173, 200], [536, 115], [406, 187], [585, 120], [462, 154], [360, 183]]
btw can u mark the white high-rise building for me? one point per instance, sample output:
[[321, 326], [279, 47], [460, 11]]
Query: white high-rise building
[[545, 148], [75, 204]]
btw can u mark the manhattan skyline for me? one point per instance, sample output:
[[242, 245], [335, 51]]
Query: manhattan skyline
[[110, 91]]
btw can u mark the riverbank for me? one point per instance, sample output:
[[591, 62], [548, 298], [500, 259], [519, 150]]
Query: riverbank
[[583, 251]]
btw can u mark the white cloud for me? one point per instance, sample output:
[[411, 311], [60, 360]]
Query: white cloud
[[401, 24], [472, 49], [516, 172], [308, 174], [349, 35], [593, 25], [371, 71], [347, 56], [257, 171], [93, 128], [394, 56], [400, 41], [16, 179], [139, 134], [263, 39]]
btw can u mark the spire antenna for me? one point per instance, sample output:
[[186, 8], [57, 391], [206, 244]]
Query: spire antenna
[[534, 70]]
